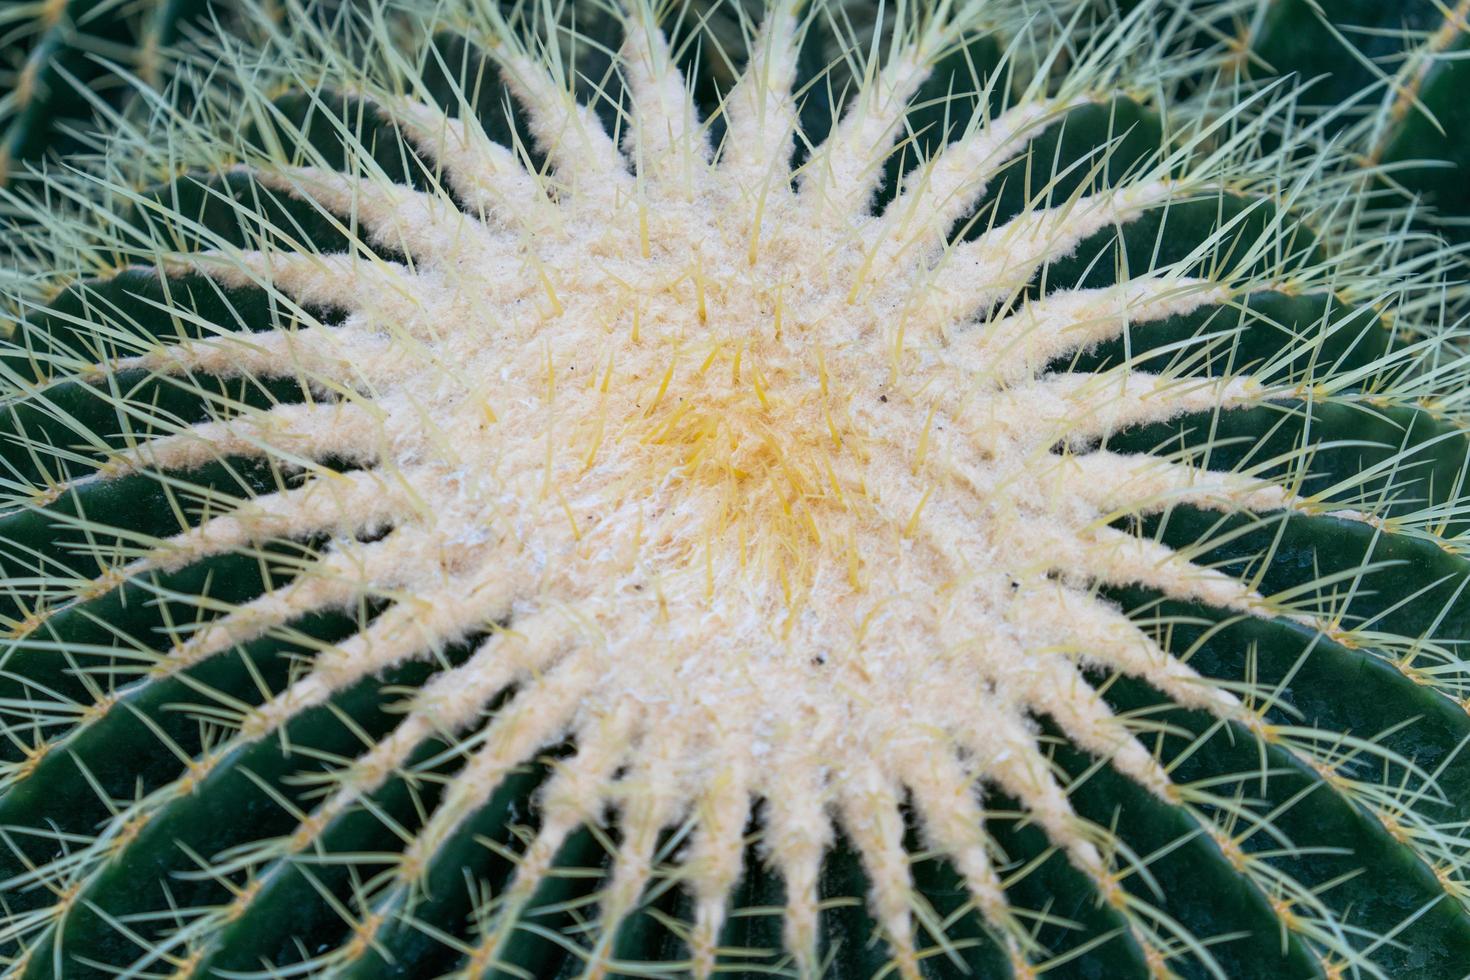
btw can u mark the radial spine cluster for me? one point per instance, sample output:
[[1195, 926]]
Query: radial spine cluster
[[758, 487]]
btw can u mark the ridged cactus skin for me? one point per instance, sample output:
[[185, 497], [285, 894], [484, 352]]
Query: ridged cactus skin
[[495, 490], [1401, 65], [1418, 52], [60, 58]]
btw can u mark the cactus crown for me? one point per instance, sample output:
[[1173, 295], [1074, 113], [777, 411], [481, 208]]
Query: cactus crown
[[469, 473]]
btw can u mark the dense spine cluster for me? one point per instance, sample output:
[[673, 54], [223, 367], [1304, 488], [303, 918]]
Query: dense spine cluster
[[715, 488]]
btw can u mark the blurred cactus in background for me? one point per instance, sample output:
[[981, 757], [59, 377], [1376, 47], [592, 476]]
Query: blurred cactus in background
[[61, 59]]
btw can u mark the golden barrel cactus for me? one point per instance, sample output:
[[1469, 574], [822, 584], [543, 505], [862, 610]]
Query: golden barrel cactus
[[663, 489]]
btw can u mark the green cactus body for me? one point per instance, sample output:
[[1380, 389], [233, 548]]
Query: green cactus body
[[1393, 74], [1415, 52], [1435, 141], [707, 489], [57, 58]]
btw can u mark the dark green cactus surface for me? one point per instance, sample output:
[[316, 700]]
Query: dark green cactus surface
[[1399, 68], [1418, 52], [169, 805], [62, 59]]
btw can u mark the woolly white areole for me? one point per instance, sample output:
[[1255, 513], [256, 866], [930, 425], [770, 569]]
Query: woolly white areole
[[761, 494]]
